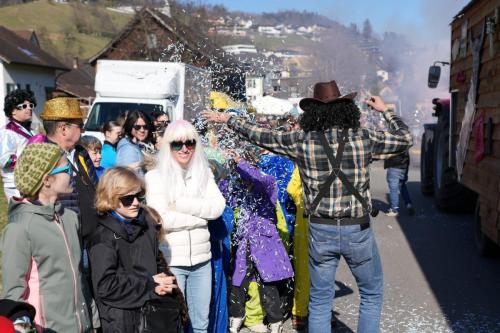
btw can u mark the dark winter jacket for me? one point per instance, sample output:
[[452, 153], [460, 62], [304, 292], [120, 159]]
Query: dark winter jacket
[[119, 294], [400, 161], [81, 199]]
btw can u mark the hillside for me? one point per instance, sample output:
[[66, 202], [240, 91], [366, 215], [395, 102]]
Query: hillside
[[65, 30]]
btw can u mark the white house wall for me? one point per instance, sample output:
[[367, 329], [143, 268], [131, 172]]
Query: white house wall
[[39, 78]]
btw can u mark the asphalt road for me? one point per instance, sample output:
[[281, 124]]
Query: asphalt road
[[434, 280]]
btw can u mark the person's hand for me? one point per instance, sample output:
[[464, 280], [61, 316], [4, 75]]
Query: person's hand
[[165, 284], [162, 290], [158, 278], [376, 103], [215, 117]]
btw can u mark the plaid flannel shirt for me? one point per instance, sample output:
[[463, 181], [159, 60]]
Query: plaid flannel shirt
[[305, 149]]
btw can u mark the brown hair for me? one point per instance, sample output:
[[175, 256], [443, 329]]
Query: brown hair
[[115, 183]]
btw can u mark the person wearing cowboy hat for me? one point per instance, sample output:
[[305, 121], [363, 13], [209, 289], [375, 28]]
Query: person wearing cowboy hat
[[333, 154]]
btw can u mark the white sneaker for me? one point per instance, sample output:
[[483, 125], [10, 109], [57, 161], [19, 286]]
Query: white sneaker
[[276, 327], [235, 324], [258, 328], [392, 213]]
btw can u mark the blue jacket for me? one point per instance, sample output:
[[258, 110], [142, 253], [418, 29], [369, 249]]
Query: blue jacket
[[127, 153], [281, 168], [108, 152], [220, 231]]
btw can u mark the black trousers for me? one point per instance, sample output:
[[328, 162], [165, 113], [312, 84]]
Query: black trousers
[[269, 297]]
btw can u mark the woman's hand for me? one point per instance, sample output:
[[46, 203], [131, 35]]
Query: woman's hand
[[216, 117], [165, 284]]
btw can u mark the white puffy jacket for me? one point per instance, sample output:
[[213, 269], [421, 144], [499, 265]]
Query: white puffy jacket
[[187, 242]]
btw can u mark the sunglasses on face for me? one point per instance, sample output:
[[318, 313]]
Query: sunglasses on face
[[128, 200], [177, 145], [66, 169], [138, 127], [25, 106]]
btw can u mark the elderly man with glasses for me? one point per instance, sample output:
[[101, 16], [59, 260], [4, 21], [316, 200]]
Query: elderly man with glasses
[[63, 124]]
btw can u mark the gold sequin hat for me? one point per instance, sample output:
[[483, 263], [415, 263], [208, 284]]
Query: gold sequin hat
[[61, 108]]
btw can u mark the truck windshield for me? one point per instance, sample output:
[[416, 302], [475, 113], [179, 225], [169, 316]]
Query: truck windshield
[[104, 112]]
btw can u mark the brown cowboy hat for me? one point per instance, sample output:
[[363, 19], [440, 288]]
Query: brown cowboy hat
[[324, 93]]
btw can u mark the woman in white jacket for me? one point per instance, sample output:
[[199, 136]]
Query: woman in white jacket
[[182, 189]]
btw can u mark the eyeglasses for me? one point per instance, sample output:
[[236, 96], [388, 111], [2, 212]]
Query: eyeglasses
[[128, 200], [177, 145], [66, 168], [25, 106], [78, 124], [138, 127], [163, 122]]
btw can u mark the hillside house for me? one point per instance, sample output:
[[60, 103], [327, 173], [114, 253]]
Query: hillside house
[[24, 65]]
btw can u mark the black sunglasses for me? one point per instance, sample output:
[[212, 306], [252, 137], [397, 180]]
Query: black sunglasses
[[138, 127], [128, 200], [25, 106], [177, 145]]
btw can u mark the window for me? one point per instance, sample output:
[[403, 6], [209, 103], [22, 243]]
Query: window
[[152, 42], [103, 112], [12, 86], [251, 83]]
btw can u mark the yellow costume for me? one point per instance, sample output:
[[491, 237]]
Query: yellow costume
[[300, 249]]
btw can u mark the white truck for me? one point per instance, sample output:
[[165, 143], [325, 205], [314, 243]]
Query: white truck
[[180, 90]]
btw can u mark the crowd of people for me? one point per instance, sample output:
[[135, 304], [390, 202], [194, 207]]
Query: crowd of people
[[168, 227]]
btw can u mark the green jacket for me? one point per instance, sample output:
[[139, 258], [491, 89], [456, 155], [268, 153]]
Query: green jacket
[[41, 265]]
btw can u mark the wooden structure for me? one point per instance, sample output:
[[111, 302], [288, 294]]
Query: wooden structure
[[152, 35], [480, 173]]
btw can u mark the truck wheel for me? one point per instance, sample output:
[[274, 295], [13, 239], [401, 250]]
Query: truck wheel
[[452, 196], [449, 194], [426, 181], [485, 246]]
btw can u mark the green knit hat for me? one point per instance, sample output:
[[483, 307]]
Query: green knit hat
[[36, 161]]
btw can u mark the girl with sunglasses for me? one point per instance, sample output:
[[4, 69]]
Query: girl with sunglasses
[[19, 107], [40, 245], [127, 269], [182, 189], [137, 142]]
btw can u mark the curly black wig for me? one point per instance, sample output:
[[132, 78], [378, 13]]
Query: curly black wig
[[16, 97], [341, 114]]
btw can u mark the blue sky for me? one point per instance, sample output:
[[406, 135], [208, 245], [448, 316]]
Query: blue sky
[[406, 16]]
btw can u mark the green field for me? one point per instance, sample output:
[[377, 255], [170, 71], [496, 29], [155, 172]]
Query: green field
[[66, 30]]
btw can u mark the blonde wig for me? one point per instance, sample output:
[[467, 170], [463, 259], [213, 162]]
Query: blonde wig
[[172, 174]]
